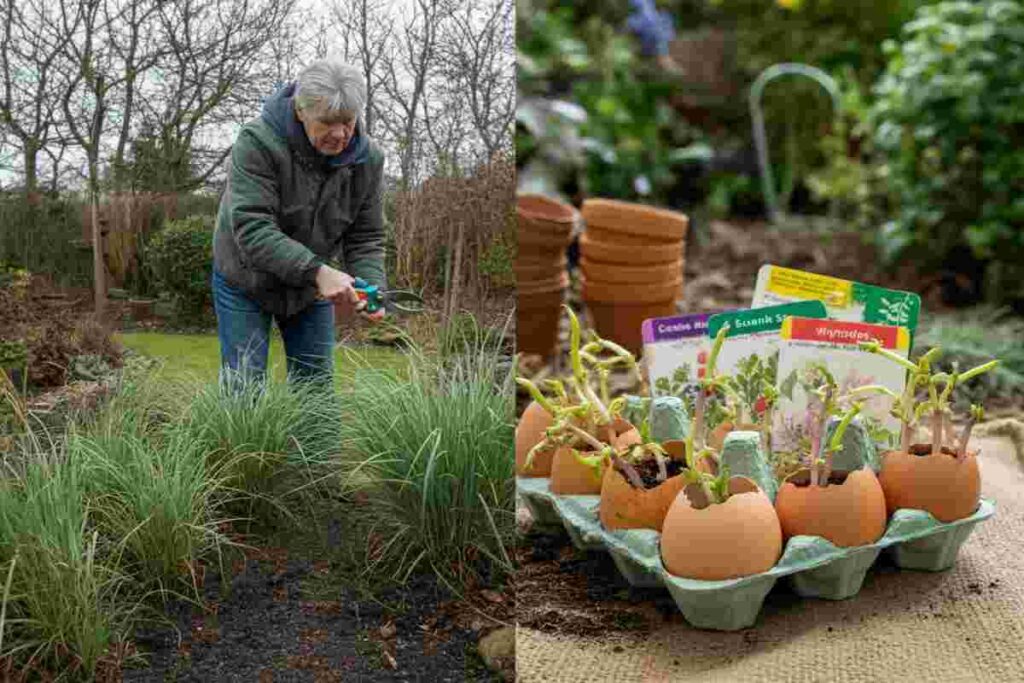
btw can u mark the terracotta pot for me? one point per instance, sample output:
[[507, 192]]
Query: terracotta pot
[[598, 233], [540, 266], [548, 210], [622, 323], [529, 432], [555, 283], [739, 537], [537, 317], [652, 223], [614, 293], [545, 218], [141, 309], [940, 484], [610, 252], [626, 507], [621, 274], [848, 514], [540, 243]]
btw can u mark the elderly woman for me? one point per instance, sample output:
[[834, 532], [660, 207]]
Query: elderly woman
[[303, 191]]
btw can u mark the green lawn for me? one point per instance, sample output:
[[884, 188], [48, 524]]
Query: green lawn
[[197, 356]]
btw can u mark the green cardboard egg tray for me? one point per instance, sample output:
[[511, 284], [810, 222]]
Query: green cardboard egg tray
[[814, 567]]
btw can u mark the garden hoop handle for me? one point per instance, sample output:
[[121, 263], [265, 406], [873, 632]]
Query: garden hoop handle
[[757, 116]]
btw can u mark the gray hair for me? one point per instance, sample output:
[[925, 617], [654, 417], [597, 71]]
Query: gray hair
[[328, 87]]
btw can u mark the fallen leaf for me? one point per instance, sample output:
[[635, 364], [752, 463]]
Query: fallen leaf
[[266, 676], [313, 635], [329, 676], [388, 630]]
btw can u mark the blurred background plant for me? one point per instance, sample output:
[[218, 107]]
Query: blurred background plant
[[949, 122], [648, 102]]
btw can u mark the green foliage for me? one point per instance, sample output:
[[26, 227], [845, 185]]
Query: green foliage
[[254, 432], [497, 259], [160, 162], [13, 353], [158, 497], [436, 449], [837, 37], [44, 238], [949, 120], [64, 589], [464, 331], [971, 338], [751, 381], [593, 115], [180, 258]]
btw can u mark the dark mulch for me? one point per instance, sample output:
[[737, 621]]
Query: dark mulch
[[295, 608], [268, 629]]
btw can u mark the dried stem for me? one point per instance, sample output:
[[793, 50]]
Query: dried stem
[[627, 469]]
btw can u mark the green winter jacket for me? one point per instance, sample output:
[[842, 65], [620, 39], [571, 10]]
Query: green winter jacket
[[287, 209]]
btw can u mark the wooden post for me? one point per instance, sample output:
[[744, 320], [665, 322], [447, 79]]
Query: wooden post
[[98, 265]]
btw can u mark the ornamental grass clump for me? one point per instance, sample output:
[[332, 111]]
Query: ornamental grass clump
[[431, 452], [256, 436], [66, 598]]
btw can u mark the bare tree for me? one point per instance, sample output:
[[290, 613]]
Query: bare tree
[[212, 48], [407, 72], [477, 62], [366, 26], [30, 55]]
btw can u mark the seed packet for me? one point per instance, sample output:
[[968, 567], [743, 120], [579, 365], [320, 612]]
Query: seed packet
[[843, 299], [751, 350], [807, 343], [675, 351]]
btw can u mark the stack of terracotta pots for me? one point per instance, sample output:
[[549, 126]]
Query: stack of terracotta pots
[[632, 263], [545, 230]]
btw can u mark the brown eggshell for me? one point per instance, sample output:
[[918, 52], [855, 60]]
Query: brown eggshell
[[739, 537], [848, 514], [569, 477], [626, 507], [940, 484], [530, 432]]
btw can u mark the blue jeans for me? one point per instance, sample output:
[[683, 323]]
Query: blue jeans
[[244, 332]]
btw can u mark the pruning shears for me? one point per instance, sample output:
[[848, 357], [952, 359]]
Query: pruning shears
[[391, 299]]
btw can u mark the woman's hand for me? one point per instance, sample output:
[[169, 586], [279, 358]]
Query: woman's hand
[[334, 285]]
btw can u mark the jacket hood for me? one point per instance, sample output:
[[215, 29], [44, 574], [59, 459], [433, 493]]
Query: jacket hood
[[279, 113]]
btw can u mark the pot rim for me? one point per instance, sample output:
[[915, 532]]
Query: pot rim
[[560, 212]]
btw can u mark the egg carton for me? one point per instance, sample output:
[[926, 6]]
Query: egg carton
[[813, 566]]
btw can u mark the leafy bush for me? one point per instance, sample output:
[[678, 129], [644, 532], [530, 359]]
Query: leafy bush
[[180, 258], [950, 122]]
